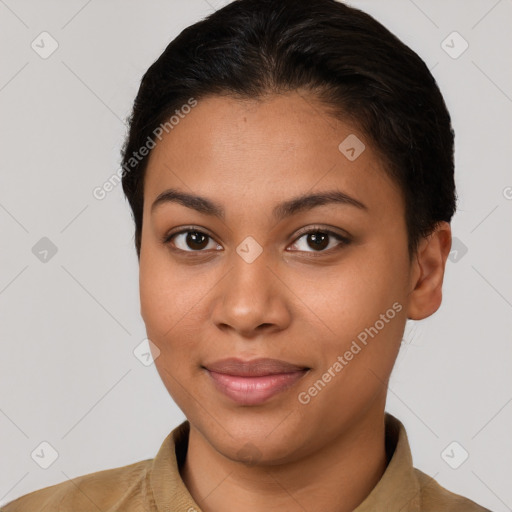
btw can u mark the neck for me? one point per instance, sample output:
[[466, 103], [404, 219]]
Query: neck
[[338, 477]]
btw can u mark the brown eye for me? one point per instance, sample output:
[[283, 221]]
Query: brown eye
[[320, 240], [191, 241], [196, 240]]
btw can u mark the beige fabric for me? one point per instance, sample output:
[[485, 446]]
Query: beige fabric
[[155, 485]]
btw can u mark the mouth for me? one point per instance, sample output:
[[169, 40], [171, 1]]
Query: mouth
[[253, 382]]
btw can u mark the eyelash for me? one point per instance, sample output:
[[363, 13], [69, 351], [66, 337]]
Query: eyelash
[[166, 239]]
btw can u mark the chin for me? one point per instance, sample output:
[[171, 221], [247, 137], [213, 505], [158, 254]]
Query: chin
[[256, 440]]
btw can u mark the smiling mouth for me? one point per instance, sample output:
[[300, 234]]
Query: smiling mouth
[[253, 382]]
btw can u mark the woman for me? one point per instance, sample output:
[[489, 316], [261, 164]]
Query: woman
[[289, 166]]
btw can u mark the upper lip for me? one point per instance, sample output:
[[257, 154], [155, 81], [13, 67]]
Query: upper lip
[[252, 368]]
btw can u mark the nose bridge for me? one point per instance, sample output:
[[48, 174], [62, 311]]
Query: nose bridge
[[249, 296], [250, 275]]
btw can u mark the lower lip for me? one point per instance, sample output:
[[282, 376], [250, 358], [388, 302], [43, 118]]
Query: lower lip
[[254, 390]]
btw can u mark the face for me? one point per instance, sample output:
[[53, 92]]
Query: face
[[320, 287]]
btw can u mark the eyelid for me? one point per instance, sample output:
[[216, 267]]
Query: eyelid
[[185, 229], [345, 237]]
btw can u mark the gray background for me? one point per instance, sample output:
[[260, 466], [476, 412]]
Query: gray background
[[69, 322]]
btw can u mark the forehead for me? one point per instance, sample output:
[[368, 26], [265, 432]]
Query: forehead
[[284, 145]]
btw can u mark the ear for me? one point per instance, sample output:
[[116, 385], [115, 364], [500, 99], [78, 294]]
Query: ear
[[427, 272]]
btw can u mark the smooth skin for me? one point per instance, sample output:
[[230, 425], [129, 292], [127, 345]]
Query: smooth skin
[[295, 302]]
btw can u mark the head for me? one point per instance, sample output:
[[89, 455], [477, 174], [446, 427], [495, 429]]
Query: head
[[319, 152]]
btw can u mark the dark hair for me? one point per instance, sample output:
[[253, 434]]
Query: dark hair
[[357, 68]]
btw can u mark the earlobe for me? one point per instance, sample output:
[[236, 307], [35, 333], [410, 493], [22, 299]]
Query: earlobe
[[428, 273]]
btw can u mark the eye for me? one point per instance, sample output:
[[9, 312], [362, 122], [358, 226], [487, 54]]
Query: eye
[[190, 240], [320, 240], [316, 238]]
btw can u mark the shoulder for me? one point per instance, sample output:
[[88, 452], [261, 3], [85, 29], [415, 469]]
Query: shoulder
[[103, 490], [435, 498]]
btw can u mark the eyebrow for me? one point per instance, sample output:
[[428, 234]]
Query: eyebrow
[[286, 209]]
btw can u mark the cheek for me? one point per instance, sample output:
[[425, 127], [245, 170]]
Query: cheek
[[173, 302], [365, 314], [156, 296], [165, 297], [167, 301], [356, 293], [364, 308]]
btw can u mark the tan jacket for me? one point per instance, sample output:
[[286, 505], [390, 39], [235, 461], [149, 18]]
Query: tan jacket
[[155, 485]]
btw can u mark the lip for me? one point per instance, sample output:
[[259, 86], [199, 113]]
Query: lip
[[253, 382]]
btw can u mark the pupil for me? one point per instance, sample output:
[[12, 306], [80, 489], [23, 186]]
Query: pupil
[[319, 240], [194, 237]]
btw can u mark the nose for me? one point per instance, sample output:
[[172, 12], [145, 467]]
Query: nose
[[252, 299]]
